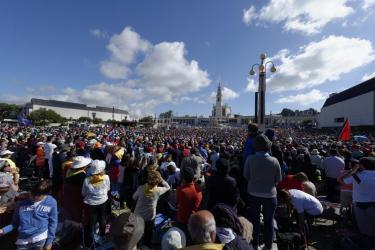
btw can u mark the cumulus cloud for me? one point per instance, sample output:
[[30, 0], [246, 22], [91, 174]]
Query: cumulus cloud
[[368, 76], [228, 94], [248, 15], [308, 16], [368, 4], [304, 99], [251, 86], [165, 72], [123, 49], [97, 33], [319, 62], [146, 75]]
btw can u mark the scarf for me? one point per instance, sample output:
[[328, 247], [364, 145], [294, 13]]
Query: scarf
[[96, 180], [71, 173]]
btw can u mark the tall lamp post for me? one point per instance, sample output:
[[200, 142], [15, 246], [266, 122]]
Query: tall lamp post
[[260, 101]]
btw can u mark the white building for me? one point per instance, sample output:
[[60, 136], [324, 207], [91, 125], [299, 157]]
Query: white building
[[220, 112], [77, 110], [356, 103]]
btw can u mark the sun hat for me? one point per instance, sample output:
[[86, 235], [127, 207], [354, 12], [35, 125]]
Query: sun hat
[[6, 152], [96, 167], [40, 143], [127, 230], [80, 162], [173, 239]]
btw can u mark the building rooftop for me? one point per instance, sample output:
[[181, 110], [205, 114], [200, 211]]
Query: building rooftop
[[73, 105], [352, 92]]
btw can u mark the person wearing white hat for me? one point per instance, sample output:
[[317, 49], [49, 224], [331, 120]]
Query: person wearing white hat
[[72, 198], [173, 239], [6, 155], [95, 195]]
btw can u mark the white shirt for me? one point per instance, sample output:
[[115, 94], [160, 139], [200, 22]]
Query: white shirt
[[303, 202], [365, 190], [95, 195], [48, 150], [333, 166]]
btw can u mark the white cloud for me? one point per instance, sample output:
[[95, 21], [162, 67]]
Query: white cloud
[[97, 33], [248, 15], [159, 73], [319, 62], [306, 16], [123, 48], [228, 94], [368, 4], [304, 99], [368, 76], [251, 86], [165, 71]]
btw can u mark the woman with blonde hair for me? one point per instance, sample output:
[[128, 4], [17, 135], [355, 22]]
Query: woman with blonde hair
[[147, 196]]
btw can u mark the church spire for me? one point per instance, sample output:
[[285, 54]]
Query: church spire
[[219, 95]]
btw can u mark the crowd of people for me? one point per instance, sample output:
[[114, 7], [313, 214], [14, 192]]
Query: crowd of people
[[190, 188]]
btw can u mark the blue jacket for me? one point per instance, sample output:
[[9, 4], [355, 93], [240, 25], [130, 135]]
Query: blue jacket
[[249, 148], [32, 221]]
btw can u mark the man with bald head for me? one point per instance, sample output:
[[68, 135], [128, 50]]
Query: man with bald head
[[202, 230]]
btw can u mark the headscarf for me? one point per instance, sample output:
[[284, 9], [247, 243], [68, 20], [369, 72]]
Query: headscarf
[[226, 217]]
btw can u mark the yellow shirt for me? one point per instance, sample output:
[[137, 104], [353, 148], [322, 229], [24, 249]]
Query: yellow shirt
[[205, 246]]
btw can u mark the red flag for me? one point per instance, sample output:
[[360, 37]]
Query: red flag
[[345, 131]]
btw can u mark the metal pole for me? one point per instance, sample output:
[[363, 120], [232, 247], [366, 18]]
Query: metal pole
[[256, 108], [261, 103]]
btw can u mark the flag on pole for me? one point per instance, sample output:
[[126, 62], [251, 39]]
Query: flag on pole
[[345, 131], [22, 120]]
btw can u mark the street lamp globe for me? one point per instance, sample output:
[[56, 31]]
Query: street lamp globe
[[273, 69], [252, 72], [263, 56]]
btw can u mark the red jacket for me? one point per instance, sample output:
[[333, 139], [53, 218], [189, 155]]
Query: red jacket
[[289, 182], [188, 198]]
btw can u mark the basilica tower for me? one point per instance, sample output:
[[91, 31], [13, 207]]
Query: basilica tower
[[219, 102]]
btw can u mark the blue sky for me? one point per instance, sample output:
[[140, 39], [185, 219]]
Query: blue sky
[[151, 56]]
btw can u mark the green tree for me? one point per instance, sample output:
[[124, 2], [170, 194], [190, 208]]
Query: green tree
[[84, 119], [9, 110], [287, 112], [97, 120], [147, 120], [167, 114], [45, 116]]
